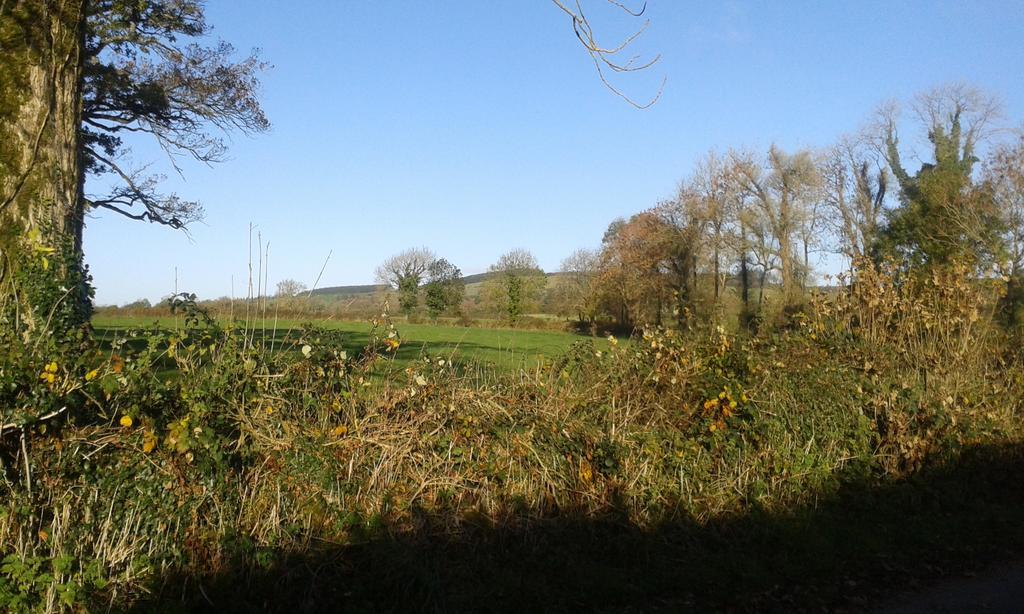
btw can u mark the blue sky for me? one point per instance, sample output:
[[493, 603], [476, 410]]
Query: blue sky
[[477, 126]]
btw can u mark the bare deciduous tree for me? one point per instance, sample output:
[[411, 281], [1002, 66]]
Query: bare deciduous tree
[[855, 183], [1004, 181], [713, 185], [761, 249], [290, 287], [405, 272], [781, 190], [411, 263], [576, 284]]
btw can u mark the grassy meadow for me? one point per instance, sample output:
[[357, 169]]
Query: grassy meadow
[[483, 349]]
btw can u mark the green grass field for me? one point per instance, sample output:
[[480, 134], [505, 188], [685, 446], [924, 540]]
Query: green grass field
[[504, 348]]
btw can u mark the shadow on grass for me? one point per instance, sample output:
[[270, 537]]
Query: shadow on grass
[[853, 547]]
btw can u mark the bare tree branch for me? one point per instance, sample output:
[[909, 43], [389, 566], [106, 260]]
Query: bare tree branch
[[145, 73], [606, 57], [136, 190]]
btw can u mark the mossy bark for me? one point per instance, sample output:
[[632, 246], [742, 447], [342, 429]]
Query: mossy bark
[[42, 278]]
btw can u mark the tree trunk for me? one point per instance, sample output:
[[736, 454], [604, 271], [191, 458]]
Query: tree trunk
[[745, 312], [760, 289], [807, 267], [745, 281], [1013, 300], [684, 295], [788, 274], [717, 267], [42, 277]]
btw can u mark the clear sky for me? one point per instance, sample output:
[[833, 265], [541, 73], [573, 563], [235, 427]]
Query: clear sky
[[477, 126]]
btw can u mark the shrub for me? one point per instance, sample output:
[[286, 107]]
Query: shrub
[[206, 451]]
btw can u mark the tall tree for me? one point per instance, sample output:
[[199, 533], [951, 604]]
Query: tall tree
[[42, 278], [781, 190], [761, 253], [855, 187], [77, 76], [738, 238], [444, 289], [634, 280], [1004, 182], [812, 224], [941, 217], [575, 285], [405, 272], [712, 184], [515, 283], [680, 240]]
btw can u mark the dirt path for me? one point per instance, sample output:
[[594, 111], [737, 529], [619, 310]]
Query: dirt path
[[1000, 589]]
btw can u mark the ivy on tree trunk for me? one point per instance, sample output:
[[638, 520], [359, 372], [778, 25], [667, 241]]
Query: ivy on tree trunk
[[43, 284]]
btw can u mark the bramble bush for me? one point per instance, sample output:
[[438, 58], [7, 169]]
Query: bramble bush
[[210, 448]]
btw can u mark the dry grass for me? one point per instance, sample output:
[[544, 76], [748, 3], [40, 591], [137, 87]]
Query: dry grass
[[259, 455]]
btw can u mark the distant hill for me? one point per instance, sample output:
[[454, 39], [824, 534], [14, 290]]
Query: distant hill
[[342, 291], [348, 290]]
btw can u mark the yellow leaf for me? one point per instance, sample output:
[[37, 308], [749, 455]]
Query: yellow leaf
[[586, 473], [126, 421]]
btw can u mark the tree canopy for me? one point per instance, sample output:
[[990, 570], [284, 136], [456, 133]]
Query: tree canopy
[[941, 216], [148, 70], [444, 289], [515, 283], [405, 272]]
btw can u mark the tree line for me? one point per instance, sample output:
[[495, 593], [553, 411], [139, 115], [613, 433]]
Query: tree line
[[512, 288], [746, 225], [743, 232], [80, 75]]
